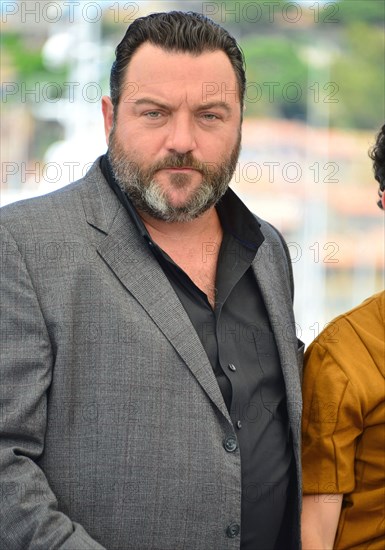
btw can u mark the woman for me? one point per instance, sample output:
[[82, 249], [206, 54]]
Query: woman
[[344, 423]]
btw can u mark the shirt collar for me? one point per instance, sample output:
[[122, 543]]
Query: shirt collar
[[237, 220]]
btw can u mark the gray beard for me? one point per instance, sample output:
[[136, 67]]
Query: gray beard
[[147, 196]]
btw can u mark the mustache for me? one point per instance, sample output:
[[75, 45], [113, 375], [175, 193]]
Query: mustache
[[183, 160]]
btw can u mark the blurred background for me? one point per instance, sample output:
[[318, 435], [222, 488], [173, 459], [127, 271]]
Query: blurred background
[[314, 103]]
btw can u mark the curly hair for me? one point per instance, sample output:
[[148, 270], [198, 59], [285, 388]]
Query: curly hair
[[377, 154]]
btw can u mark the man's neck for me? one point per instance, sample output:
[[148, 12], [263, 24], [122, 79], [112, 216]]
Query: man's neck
[[198, 230], [193, 246]]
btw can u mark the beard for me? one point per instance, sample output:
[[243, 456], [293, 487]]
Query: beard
[[147, 195]]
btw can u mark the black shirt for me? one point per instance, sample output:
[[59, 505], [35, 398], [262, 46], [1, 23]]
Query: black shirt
[[240, 345]]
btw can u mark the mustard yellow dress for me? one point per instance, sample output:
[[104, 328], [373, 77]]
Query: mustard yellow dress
[[343, 426]]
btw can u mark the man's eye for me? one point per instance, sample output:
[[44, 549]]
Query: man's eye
[[153, 114], [210, 116]]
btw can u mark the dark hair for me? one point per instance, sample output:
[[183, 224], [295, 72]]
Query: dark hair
[[176, 31], [377, 154]]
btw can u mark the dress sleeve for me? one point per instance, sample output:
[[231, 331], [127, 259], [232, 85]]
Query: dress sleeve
[[332, 423]]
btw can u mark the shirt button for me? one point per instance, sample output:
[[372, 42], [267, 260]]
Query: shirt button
[[233, 530], [230, 444], [232, 367], [239, 424]]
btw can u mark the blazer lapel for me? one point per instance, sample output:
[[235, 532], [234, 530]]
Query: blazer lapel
[[131, 260], [276, 294]]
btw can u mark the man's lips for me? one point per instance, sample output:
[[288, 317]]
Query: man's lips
[[180, 169], [187, 170]]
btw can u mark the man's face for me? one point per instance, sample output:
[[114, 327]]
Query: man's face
[[175, 140]]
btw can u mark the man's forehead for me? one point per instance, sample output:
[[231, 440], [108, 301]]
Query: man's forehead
[[154, 72], [149, 60]]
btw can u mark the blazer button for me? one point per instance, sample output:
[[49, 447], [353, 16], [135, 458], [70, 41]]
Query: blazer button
[[233, 530], [230, 444]]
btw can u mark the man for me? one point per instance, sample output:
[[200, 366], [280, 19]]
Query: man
[[344, 422], [150, 371]]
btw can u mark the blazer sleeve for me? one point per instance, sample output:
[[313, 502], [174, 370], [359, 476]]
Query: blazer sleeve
[[29, 514]]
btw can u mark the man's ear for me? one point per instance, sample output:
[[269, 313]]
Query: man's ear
[[108, 116]]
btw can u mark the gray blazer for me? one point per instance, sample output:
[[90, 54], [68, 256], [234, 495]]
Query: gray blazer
[[111, 420]]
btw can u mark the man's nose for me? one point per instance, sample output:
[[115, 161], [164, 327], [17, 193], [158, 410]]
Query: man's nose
[[181, 137]]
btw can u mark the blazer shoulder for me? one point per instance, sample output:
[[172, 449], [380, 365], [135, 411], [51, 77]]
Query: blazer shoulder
[[60, 207], [270, 232], [278, 248]]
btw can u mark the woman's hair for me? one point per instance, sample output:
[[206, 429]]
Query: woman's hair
[[377, 154]]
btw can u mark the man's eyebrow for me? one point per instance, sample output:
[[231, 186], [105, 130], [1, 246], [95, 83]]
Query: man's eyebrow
[[150, 100], [211, 105], [216, 105]]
